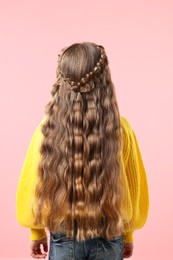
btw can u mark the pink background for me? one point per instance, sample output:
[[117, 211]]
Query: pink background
[[138, 38]]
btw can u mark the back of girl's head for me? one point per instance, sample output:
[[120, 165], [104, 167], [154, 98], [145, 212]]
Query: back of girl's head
[[79, 59], [80, 64], [79, 172]]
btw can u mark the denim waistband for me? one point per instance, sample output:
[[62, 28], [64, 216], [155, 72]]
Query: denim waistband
[[62, 234]]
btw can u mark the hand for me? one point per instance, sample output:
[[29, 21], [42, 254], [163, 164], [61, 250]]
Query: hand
[[36, 248], [127, 250]]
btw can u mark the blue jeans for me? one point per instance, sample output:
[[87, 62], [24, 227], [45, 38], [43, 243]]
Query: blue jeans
[[65, 248]]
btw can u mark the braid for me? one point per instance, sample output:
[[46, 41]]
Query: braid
[[85, 84]]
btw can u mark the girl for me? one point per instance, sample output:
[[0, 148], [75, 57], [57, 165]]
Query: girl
[[83, 177]]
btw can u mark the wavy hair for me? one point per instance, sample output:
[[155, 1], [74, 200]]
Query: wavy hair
[[79, 181]]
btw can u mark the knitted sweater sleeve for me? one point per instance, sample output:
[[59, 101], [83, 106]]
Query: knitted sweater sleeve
[[137, 186], [25, 188]]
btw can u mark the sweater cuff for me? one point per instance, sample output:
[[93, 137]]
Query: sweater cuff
[[128, 237], [37, 234]]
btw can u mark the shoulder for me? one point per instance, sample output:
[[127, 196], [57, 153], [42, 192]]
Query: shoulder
[[127, 135], [40, 124], [125, 123], [127, 130], [42, 121], [38, 130]]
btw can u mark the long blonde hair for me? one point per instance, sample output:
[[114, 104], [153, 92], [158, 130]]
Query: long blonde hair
[[79, 178]]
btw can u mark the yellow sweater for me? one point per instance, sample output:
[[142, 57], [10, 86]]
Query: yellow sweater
[[136, 203]]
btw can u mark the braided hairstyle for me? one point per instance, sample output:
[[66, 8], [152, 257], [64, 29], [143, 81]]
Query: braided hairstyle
[[86, 84], [79, 180]]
